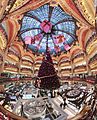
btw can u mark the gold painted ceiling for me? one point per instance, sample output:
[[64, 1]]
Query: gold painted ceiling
[[15, 58]]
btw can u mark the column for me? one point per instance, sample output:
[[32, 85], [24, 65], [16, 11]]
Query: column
[[86, 59], [95, 4], [4, 59], [19, 65]]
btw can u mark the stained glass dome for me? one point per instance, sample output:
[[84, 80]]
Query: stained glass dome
[[48, 25]]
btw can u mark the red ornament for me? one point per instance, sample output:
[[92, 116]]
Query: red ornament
[[32, 40], [38, 37]]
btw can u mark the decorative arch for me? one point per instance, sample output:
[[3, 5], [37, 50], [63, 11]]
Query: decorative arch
[[64, 56], [83, 35], [29, 6], [87, 10], [75, 50], [12, 28], [19, 47], [29, 56], [70, 7]]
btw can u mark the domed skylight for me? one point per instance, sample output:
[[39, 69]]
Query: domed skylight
[[48, 25]]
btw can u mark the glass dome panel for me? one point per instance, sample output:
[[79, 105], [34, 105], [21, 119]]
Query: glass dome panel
[[55, 27]]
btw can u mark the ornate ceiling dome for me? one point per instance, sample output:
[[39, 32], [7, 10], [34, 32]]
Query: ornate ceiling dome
[[48, 25]]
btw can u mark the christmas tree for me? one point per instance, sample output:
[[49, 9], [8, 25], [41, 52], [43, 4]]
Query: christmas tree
[[47, 76]]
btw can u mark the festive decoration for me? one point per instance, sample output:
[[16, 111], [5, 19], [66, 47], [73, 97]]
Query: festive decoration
[[38, 37], [67, 47], [29, 40], [57, 49], [47, 76], [58, 39], [46, 26]]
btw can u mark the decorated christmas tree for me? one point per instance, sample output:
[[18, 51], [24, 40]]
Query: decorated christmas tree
[[47, 76]]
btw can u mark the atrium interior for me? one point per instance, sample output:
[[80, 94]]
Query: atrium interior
[[48, 60]]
